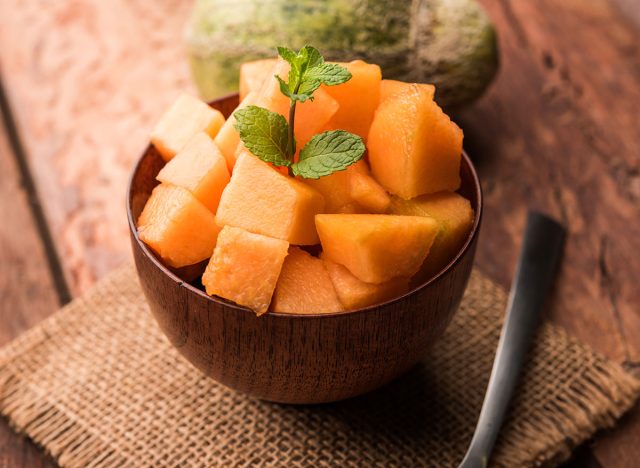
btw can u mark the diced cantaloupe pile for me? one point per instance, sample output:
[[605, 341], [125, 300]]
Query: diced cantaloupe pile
[[392, 216]]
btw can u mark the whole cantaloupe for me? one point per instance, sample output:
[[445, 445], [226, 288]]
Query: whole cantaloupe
[[450, 43]]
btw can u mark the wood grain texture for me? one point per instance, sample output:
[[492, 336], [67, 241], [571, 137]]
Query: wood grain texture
[[27, 294], [86, 80], [560, 130], [289, 358]]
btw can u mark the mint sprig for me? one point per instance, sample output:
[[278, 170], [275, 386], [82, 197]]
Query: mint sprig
[[264, 133], [268, 135], [327, 153]]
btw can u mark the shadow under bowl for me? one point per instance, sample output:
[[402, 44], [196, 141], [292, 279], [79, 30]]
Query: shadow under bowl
[[291, 358]]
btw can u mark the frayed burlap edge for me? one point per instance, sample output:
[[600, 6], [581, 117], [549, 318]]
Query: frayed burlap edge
[[72, 443]]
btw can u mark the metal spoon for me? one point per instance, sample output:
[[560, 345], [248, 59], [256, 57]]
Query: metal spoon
[[539, 257]]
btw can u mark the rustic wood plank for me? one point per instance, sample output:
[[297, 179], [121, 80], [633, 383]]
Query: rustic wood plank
[[553, 133], [560, 131], [86, 80], [26, 288]]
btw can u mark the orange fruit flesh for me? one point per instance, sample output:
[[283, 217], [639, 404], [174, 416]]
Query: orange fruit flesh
[[376, 248], [178, 227], [245, 267], [253, 75], [368, 193], [355, 294], [351, 191], [311, 116], [414, 147], [304, 286], [358, 98], [186, 117], [390, 87], [200, 168], [336, 188], [228, 138], [455, 216], [260, 199]]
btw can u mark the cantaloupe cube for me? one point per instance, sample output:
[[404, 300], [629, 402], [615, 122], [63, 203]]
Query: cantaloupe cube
[[178, 227], [262, 200], [253, 75], [455, 216], [376, 248], [245, 268], [304, 286], [390, 87], [414, 147], [351, 191], [355, 294], [228, 138], [336, 189], [311, 116], [186, 117], [200, 168], [368, 193], [358, 98]]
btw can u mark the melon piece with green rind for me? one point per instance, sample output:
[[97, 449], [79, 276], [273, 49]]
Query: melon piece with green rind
[[455, 216], [449, 43]]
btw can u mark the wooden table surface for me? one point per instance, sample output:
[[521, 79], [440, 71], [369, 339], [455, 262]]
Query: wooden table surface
[[83, 81]]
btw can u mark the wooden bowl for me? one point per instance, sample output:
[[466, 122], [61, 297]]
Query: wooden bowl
[[293, 358]]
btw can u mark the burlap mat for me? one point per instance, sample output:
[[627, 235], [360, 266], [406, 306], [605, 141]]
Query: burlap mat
[[97, 384]]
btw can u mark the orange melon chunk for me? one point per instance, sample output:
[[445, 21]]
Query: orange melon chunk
[[355, 294], [368, 193], [228, 138], [390, 87], [414, 147], [304, 286], [376, 248], [262, 200], [186, 117], [336, 189], [180, 229], [358, 98], [253, 75], [200, 168], [245, 267], [311, 116], [455, 216]]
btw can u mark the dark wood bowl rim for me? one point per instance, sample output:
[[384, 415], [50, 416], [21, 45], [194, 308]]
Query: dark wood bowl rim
[[152, 257]]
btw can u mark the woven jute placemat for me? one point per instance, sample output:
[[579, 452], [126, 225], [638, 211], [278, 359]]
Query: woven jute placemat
[[97, 384]]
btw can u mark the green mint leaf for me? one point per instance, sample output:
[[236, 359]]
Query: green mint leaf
[[264, 133], [330, 74], [307, 87], [313, 56], [327, 153], [285, 89], [287, 54]]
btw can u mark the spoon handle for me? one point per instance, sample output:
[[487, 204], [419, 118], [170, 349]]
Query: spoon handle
[[539, 257]]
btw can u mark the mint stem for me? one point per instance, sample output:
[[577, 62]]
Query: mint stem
[[291, 142]]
